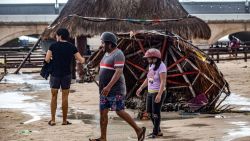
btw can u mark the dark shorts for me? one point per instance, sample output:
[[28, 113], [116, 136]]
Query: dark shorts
[[113, 103], [60, 82]]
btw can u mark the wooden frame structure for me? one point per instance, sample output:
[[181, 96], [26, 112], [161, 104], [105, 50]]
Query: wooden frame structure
[[191, 72]]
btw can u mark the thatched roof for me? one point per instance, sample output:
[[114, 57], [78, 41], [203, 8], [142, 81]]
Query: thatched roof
[[187, 26]]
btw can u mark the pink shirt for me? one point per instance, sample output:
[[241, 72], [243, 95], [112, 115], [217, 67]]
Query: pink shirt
[[154, 77]]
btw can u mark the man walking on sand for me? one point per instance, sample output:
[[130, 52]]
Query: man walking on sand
[[61, 53], [112, 86]]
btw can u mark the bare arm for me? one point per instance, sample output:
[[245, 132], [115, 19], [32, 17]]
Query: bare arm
[[79, 57], [144, 84], [48, 56], [163, 83], [116, 76]]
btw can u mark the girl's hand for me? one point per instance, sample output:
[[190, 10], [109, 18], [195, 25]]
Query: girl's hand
[[138, 92], [158, 98]]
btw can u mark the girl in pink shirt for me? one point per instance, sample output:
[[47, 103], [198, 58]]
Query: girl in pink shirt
[[156, 82]]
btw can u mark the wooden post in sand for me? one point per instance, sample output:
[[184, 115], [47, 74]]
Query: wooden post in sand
[[245, 56], [80, 43], [5, 63]]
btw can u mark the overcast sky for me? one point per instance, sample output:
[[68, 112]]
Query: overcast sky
[[64, 1], [32, 1]]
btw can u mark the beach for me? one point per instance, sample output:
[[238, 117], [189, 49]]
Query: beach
[[27, 119]]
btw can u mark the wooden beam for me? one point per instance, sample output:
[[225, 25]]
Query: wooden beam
[[204, 75], [178, 87], [209, 88], [133, 54], [131, 72], [176, 62], [181, 74], [176, 83], [136, 66], [141, 46], [184, 76], [25, 59], [163, 48], [197, 76]]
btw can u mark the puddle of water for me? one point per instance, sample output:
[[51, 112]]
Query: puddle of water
[[242, 130], [237, 100], [17, 100], [29, 79], [83, 115]]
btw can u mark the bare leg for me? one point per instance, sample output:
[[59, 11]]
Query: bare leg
[[125, 116], [65, 94], [53, 104], [104, 124]]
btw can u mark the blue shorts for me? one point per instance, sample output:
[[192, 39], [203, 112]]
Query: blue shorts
[[113, 103]]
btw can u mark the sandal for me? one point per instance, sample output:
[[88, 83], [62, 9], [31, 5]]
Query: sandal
[[141, 136], [152, 136], [67, 123], [94, 140], [159, 134], [51, 123]]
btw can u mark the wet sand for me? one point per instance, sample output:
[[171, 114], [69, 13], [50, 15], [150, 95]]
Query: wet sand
[[83, 113]]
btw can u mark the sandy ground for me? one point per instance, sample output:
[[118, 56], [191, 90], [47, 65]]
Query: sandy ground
[[83, 113]]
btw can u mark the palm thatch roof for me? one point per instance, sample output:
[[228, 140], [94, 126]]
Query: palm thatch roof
[[180, 22]]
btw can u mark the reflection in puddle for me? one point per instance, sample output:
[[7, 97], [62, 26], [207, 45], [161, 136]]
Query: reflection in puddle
[[17, 100], [242, 130], [237, 100], [29, 79], [83, 115]]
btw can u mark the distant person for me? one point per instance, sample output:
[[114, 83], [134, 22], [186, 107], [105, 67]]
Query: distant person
[[234, 45], [61, 53], [156, 83], [112, 87]]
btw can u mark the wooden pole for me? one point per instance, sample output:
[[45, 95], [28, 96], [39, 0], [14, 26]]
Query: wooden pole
[[141, 46], [25, 59], [5, 63], [136, 66], [218, 56], [80, 43], [245, 56]]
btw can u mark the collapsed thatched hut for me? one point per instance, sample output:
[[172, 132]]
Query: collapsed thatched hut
[[178, 20], [193, 80]]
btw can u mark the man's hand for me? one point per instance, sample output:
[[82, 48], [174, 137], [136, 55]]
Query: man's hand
[[158, 98], [138, 92], [105, 91]]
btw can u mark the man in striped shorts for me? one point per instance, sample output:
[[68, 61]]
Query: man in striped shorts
[[112, 87]]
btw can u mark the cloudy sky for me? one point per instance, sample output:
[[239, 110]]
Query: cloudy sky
[[64, 1], [32, 1]]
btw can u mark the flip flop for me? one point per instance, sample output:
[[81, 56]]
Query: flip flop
[[51, 123], [94, 140], [142, 134], [159, 134], [67, 123]]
